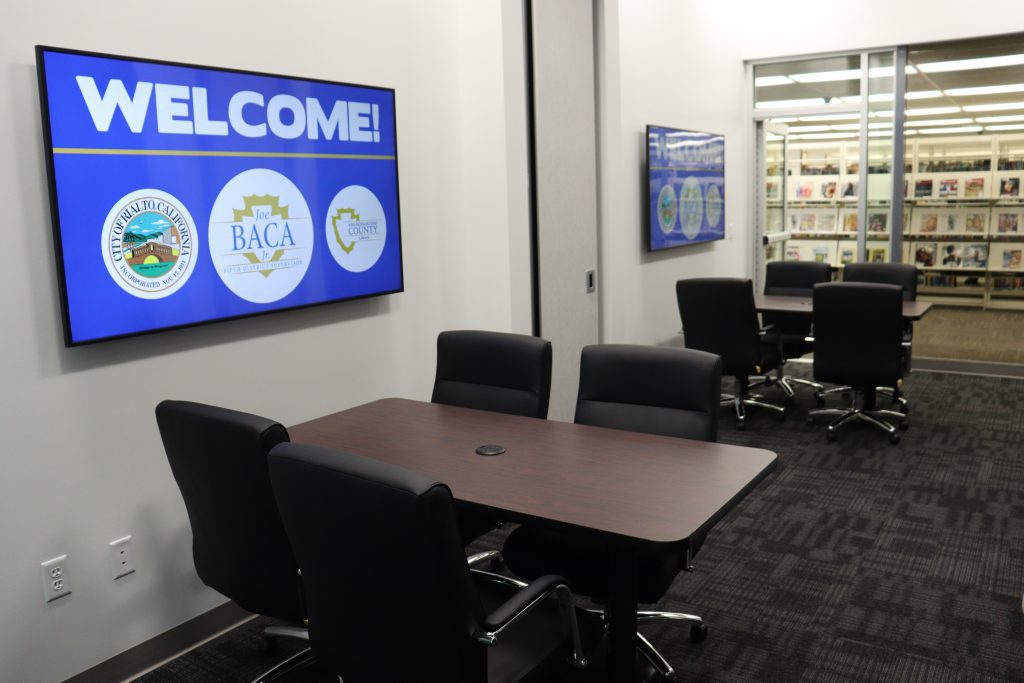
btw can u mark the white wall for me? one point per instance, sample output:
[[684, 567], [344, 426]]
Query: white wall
[[680, 63], [82, 462]]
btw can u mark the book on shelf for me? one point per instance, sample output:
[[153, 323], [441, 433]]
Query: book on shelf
[[974, 188], [792, 253], [955, 166], [771, 191], [1010, 164], [1012, 258], [878, 255], [850, 222], [828, 190], [923, 188], [950, 222], [845, 255], [849, 189], [975, 222], [948, 188], [1003, 282], [1007, 224], [804, 190], [827, 221], [975, 255], [929, 223], [951, 255], [1009, 187], [877, 222], [937, 280], [820, 254], [924, 254]]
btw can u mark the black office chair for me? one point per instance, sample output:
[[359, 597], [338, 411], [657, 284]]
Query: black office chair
[[793, 278], [904, 275], [858, 342], [496, 371], [355, 524], [719, 316], [666, 391], [239, 547]]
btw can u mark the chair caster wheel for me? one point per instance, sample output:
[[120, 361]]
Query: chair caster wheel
[[831, 436], [497, 564], [894, 438], [267, 646], [698, 633]]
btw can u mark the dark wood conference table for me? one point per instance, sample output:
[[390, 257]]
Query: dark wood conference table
[[629, 486], [912, 310]]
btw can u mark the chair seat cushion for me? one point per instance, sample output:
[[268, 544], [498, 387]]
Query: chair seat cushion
[[584, 562]]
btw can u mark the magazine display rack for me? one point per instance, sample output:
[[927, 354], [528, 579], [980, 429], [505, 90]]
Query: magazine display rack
[[963, 218]]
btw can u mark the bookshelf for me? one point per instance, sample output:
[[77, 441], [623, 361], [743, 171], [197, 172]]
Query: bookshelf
[[963, 218]]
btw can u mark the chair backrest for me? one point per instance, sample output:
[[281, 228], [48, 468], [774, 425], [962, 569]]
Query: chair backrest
[[219, 460], [858, 333], [496, 371], [793, 278], [658, 390], [357, 527], [719, 316], [902, 274]]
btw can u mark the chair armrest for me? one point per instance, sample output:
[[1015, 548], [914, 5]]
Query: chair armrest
[[519, 604], [766, 329]]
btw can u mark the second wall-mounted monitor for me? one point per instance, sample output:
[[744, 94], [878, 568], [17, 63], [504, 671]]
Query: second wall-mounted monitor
[[685, 187]]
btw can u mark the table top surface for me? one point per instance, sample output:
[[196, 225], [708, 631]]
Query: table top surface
[[642, 486], [912, 310]]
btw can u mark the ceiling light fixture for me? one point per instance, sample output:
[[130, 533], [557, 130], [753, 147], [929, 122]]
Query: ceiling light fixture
[[949, 131], [1000, 119], [1007, 126], [931, 111], [766, 81], [826, 76], [967, 64], [986, 90], [940, 122], [786, 104], [994, 106]]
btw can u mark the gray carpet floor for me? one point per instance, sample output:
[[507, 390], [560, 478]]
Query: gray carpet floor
[[855, 561]]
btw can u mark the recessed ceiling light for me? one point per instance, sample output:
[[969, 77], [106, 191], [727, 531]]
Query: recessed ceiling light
[[823, 136], [1007, 126], [940, 122], [881, 124], [879, 133], [845, 126], [931, 111], [826, 76], [807, 129], [986, 90], [785, 104], [831, 117], [923, 94], [765, 81], [945, 131], [994, 106], [884, 71], [966, 64], [1000, 119], [783, 119]]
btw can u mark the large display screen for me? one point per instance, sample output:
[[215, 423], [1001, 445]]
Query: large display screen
[[185, 194], [685, 186]]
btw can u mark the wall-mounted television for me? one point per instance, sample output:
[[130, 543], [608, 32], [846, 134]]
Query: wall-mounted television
[[185, 194], [685, 187]]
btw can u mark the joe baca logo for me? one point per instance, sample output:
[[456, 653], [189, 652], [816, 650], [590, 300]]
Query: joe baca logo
[[149, 244], [356, 229], [261, 235]]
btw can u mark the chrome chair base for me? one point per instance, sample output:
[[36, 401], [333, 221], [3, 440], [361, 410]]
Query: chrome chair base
[[787, 384], [871, 416], [296, 661]]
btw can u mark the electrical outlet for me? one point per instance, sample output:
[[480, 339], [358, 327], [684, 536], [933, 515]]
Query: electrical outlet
[[56, 583], [121, 557]]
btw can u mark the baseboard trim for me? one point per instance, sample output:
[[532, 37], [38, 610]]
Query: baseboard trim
[[166, 646], [969, 367]]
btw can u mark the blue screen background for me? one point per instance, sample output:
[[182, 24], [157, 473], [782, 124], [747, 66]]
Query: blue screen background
[[89, 185], [665, 171]]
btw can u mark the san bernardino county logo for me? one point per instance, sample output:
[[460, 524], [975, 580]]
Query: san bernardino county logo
[[149, 244], [356, 229], [261, 235]]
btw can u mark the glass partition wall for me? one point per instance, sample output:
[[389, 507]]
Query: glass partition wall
[[910, 154]]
